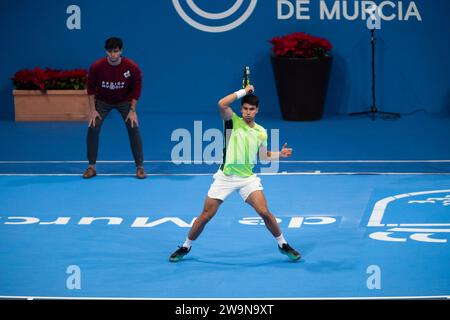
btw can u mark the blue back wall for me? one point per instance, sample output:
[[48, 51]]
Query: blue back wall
[[188, 70]]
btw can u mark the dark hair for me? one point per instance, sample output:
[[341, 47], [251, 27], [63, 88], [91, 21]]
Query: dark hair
[[250, 99], [113, 43]]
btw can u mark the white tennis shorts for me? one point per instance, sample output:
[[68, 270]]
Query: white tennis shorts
[[224, 185]]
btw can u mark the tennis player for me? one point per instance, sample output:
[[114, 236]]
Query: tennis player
[[246, 141]]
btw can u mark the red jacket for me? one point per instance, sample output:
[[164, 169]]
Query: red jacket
[[114, 84]]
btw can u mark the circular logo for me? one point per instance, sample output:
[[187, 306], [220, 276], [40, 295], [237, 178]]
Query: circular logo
[[214, 16]]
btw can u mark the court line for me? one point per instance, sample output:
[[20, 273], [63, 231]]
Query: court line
[[203, 162], [210, 174], [212, 299], [380, 206]]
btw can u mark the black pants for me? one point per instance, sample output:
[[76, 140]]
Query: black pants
[[94, 132]]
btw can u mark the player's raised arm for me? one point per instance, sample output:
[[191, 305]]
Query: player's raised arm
[[224, 104]]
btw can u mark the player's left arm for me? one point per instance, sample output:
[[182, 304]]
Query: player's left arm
[[264, 154], [136, 85]]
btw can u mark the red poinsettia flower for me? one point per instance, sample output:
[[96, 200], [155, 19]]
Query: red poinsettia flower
[[300, 45], [39, 79]]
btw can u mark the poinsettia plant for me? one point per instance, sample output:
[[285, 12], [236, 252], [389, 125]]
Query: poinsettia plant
[[300, 45], [50, 79]]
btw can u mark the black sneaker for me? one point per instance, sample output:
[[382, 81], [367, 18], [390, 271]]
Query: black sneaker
[[179, 254], [290, 252]]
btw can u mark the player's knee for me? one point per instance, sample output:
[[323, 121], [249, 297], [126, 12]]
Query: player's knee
[[207, 215], [264, 213]]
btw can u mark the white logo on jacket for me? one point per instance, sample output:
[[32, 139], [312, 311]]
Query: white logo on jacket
[[113, 85]]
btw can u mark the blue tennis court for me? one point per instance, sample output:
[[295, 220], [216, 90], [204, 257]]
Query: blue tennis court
[[370, 213], [357, 89]]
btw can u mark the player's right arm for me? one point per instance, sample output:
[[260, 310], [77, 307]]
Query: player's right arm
[[224, 104], [91, 90]]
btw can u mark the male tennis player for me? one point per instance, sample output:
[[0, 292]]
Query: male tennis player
[[236, 173]]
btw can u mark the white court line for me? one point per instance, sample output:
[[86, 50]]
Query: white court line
[[212, 299], [365, 161], [380, 207], [211, 174], [203, 162]]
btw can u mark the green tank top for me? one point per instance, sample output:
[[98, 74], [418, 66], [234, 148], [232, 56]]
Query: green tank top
[[242, 145]]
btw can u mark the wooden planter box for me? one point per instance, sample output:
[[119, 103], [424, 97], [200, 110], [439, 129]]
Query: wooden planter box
[[52, 105]]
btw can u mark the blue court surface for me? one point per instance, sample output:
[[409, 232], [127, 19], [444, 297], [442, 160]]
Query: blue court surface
[[367, 203]]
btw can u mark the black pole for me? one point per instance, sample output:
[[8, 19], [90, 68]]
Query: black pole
[[372, 43], [373, 109]]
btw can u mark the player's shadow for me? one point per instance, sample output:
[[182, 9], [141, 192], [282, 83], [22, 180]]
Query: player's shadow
[[260, 258], [254, 262], [251, 258]]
